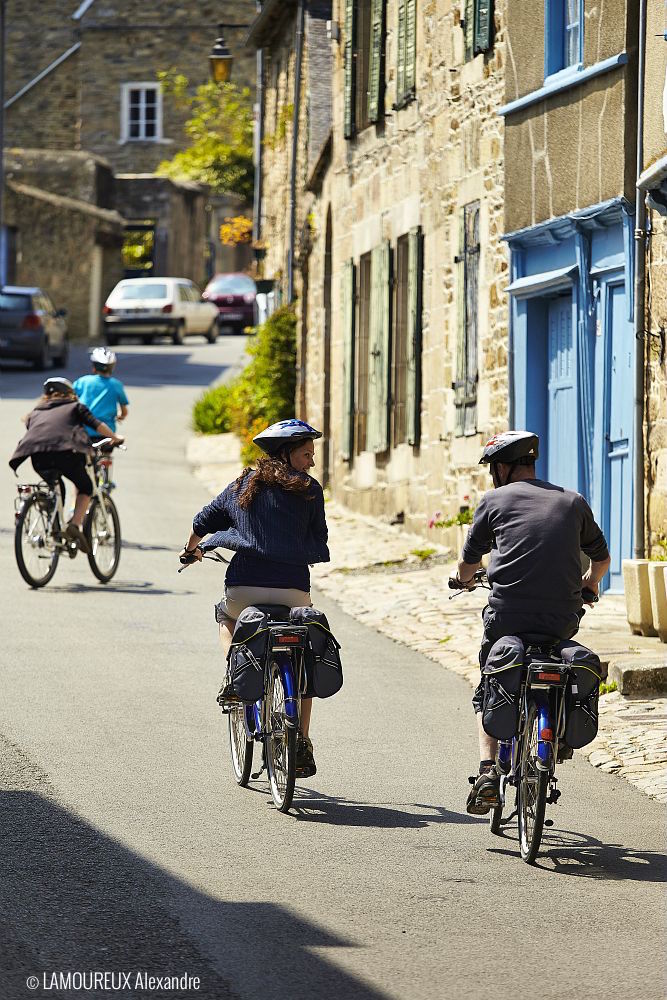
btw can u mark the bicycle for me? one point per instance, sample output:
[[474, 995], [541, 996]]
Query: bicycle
[[39, 536], [273, 720], [528, 761]]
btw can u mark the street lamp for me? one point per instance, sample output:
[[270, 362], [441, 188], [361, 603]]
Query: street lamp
[[220, 59]]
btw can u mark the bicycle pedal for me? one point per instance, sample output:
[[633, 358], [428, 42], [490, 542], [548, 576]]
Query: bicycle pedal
[[548, 822], [258, 774]]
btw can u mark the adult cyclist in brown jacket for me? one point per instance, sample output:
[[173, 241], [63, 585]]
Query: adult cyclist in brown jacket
[[535, 532]]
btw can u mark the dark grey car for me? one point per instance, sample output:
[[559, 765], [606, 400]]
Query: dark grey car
[[31, 328]]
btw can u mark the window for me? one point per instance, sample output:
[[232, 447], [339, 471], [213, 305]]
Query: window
[[184, 293], [364, 63], [465, 386], [361, 366], [406, 54], [563, 41], [406, 361], [144, 290], [141, 112], [232, 284], [478, 27]]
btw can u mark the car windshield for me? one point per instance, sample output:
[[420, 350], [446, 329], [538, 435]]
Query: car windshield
[[14, 303], [231, 284], [151, 290]]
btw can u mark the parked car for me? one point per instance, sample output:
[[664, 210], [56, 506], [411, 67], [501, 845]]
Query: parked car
[[31, 328], [234, 295], [150, 307]]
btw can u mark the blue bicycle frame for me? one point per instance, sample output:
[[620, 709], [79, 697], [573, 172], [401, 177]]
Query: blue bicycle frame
[[253, 713]]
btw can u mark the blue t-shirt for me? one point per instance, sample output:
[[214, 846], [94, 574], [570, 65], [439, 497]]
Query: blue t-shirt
[[102, 396]]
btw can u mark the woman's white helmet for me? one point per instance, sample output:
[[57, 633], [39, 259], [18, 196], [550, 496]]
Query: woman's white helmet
[[285, 432], [102, 358]]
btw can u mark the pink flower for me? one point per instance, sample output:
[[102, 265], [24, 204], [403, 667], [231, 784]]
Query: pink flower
[[432, 520]]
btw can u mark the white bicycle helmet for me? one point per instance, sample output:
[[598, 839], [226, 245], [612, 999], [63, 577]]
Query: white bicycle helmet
[[102, 358], [57, 384], [285, 432]]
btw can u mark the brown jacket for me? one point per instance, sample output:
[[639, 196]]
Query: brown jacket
[[55, 425]]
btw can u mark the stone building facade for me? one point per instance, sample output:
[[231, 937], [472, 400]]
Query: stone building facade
[[399, 265]]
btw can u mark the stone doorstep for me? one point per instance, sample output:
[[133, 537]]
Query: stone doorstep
[[641, 675]]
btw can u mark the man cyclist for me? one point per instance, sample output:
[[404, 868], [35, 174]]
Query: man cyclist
[[535, 532], [103, 394]]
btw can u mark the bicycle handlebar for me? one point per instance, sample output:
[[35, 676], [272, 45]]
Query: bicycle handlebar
[[104, 442], [588, 596]]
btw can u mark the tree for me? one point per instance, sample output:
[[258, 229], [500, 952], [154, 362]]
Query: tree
[[220, 129]]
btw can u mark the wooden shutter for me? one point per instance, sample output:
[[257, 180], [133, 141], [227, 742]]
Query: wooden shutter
[[465, 386], [410, 46], [483, 25], [413, 388], [469, 28], [347, 319], [400, 54], [350, 74], [379, 359], [375, 88]]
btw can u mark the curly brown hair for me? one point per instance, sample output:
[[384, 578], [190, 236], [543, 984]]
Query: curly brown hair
[[269, 472]]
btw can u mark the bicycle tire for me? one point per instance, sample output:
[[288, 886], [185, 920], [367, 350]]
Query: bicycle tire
[[240, 747], [280, 744], [33, 581], [496, 814], [532, 792], [94, 537]]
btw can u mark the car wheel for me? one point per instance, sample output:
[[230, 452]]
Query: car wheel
[[212, 332], [62, 358], [44, 360], [177, 336], [147, 340]]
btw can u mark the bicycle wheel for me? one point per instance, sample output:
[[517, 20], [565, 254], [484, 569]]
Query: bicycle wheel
[[280, 743], [240, 746], [102, 531], [496, 814], [532, 791], [35, 545]]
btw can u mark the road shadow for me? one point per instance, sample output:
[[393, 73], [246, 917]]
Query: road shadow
[[315, 807], [566, 852], [72, 898], [145, 588]]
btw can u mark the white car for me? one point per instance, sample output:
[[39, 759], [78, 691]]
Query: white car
[[150, 307]]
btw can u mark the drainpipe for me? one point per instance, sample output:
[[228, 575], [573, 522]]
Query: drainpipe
[[295, 149], [640, 270]]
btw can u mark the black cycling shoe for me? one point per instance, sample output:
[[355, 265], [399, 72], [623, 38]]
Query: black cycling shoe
[[564, 753], [485, 792], [305, 762]]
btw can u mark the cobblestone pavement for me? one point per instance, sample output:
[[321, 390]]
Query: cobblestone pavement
[[378, 577]]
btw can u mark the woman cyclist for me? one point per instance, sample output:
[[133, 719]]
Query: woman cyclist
[[56, 440], [273, 517]]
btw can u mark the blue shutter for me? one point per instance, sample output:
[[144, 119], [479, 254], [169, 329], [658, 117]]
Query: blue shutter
[[347, 320], [413, 388], [379, 360]]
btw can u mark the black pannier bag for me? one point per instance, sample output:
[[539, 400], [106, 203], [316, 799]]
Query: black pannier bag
[[323, 664], [581, 694], [502, 676], [247, 654]]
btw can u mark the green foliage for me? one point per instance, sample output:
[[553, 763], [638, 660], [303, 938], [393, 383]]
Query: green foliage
[[264, 391], [660, 550], [220, 130], [137, 249], [464, 516], [423, 553], [608, 688], [285, 117]]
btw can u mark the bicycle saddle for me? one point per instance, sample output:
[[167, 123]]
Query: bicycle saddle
[[51, 476], [538, 639], [276, 612]]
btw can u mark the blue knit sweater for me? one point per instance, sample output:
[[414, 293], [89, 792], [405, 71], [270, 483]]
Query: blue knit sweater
[[275, 538]]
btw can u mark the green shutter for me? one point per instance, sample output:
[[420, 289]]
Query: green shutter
[[469, 28], [375, 72], [347, 319], [400, 54], [410, 46], [459, 384], [483, 25], [378, 360], [350, 30], [415, 278]]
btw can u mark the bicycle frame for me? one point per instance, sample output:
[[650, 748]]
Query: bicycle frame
[[256, 715]]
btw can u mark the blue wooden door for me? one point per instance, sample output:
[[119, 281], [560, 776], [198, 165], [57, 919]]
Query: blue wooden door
[[617, 472], [562, 444]]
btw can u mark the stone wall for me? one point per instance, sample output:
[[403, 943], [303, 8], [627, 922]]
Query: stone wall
[[71, 174], [656, 385]]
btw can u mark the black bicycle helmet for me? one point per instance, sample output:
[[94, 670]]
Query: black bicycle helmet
[[286, 432], [57, 384], [511, 448]]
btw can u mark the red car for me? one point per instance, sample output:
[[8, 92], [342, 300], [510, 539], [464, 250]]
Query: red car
[[234, 295]]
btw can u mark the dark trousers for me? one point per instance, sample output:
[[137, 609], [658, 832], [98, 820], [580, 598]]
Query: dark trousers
[[500, 623]]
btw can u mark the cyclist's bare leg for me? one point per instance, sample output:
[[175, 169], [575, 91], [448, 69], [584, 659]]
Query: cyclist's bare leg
[[80, 508], [488, 747], [306, 709], [226, 633]]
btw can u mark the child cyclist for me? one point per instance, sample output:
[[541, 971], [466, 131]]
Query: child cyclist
[[273, 516], [103, 394]]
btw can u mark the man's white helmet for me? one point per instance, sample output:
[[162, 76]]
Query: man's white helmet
[[101, 357]]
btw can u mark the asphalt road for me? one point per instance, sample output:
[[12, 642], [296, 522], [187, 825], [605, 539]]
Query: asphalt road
[[126, 846]]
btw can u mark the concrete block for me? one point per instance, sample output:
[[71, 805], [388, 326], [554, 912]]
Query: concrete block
[[638, 596], [657, 579], [641, 675]]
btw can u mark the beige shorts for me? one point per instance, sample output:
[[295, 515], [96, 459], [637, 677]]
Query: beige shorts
[[235, 599]]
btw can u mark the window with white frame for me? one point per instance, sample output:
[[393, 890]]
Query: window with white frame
[[141, 112], [563, 43]]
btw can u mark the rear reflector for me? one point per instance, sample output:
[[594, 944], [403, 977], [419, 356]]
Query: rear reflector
[[31, 321], [288, 638], [168, 308], [549, 677], [547, 735], [107, 311]]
